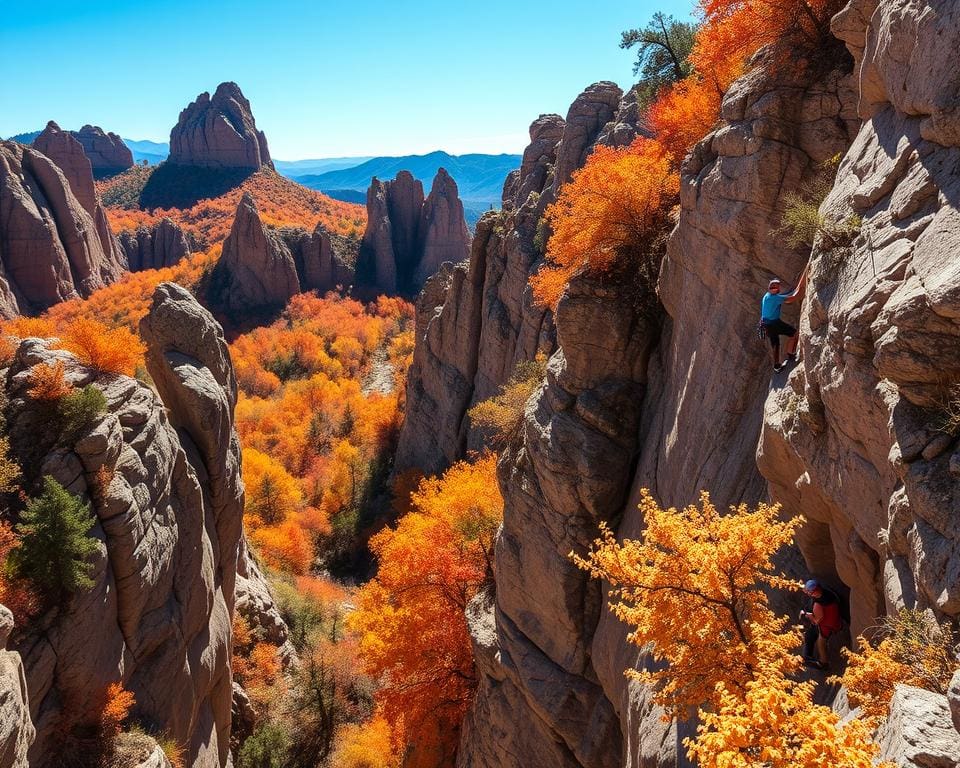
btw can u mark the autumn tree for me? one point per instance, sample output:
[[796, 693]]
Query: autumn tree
[[694, 590], [410, 619], [106, 350], [365, 745], [911, 649], [617, 206], [502, 414]]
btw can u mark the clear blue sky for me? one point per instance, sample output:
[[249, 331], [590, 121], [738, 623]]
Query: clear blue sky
[[325, 78]]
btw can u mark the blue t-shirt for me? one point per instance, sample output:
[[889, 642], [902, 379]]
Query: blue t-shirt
[[771, 304]]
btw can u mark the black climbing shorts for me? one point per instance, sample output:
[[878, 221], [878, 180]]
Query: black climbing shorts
[[777, 328]]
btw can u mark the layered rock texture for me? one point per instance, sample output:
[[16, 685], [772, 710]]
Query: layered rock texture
[[55, 243], [162, 245], [107, 153], [853, 437], [858, 438], [261, 267], [168, 523], [219, 132], [476, 320], [16, 730], [408, 237]]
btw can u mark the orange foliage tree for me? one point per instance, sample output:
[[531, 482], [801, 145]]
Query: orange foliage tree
[[608, 210], [410, 618], [693, 590], [365, 745], [106, 350]]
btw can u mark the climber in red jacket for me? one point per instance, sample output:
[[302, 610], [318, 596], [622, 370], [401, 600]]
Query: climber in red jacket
[[825, 619]]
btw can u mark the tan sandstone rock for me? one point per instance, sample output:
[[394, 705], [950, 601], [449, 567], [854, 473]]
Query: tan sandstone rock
[[219, 132], [169, 527], [52, 248], [852, 440], [162, 245], [256, 271], [16, 729], [408, 237], [107, 153], [918, 732]]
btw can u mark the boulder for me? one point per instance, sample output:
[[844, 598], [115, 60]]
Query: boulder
[[918, 732], [162, 245], [953, 697], [107, 153], [52, 248], [219, 132]]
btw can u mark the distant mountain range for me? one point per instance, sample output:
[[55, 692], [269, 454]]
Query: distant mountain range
[[479, 177]]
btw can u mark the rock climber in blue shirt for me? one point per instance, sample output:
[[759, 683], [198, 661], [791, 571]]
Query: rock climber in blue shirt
[[773, 326]]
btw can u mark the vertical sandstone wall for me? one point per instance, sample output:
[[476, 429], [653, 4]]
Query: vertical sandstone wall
[[686, 419], [853, 438], [169, 526]]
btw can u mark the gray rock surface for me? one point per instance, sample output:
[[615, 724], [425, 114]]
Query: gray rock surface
[[408, 237], [918, 732], [16, 729], [256, 271], [476, 321], [852, 439], [168, 523], [219, 132]]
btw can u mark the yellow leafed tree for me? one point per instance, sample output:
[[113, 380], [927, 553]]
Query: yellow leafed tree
[[692, 590]]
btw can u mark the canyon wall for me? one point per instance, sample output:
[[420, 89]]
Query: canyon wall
[[848, 437], [856, 438], [161, 471]]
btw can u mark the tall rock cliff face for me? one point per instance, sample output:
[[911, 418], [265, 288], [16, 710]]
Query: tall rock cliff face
[[261, 268], [408, 237], [70, 157], [107, 153], [855, 437], [169, 523], [476, 321], [54, 244], [162, 245], [219, 132], [16, 730], [852, 437]]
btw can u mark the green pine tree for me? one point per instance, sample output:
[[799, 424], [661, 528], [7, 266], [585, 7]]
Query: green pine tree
[[55, 548]]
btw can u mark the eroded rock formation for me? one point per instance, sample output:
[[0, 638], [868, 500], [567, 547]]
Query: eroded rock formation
[[219, 132], [408, 237], [107, 153], [16, 729], [69, 156], [162, 245], [54, 244], [261, 268], [476, 321], [168, 520], [855, 438]]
